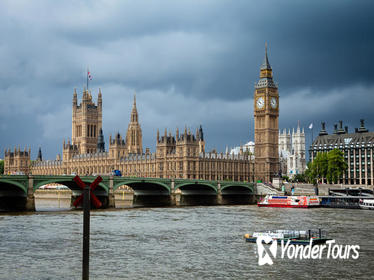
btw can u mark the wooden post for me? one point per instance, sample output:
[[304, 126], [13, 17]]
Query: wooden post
[[86, 234]]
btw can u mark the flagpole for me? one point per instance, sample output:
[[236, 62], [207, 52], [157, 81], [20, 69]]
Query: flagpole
[[87, 78], [311, 127]]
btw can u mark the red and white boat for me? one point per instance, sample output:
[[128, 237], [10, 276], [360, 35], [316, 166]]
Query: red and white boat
[[289, 201]]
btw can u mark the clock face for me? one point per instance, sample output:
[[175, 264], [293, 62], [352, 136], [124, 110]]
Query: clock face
[[273, 102], [260, 102]]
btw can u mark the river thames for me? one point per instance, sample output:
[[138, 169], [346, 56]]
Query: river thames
[[177, 243]]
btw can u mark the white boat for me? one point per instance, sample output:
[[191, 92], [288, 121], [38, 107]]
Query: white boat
[[367, 204], [289, 201], [301, 237]]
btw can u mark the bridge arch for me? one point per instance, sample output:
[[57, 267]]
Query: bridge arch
[[234, 187], [14, 183], [132, 184], [196, 184], [68, 183], [178, 186]]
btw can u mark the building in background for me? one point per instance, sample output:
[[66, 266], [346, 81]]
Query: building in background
[[266, 114], [177, 156], [17, 161], [357, 148], [181, 155], [248, 148], [292, 152]]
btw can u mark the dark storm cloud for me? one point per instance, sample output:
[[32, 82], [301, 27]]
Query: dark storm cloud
[[179, 55]]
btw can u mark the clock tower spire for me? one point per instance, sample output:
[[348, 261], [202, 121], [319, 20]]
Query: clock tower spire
[[266, 113]]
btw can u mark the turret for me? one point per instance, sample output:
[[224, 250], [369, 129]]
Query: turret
[[117, 146], [86, 122], [201, 140], [100, 142], [134, 140], [99, 99], [266, 73], [201, 133], [75, 98], [39, 157]]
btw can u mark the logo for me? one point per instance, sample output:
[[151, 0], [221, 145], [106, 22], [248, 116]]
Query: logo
[[263, 254], [298, 251]]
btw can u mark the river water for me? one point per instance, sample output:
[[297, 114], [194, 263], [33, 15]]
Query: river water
[[177, 243]]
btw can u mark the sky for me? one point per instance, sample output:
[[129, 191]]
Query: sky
[[189, 62]]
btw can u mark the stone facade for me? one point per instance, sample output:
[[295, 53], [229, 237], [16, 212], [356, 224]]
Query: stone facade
[[292, 152], [17, 161], [357, 148], [86, 122], [266, 113], [181, 155], [177, 156]]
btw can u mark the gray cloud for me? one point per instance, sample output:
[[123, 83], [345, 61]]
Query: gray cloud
[[190, 62]]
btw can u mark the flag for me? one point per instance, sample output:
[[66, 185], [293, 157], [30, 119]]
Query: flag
[[311, 126], [89, 76]]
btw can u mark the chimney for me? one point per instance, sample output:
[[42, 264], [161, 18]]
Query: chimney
[[323, 129], [362, 127], [346, 129], [340, 130]]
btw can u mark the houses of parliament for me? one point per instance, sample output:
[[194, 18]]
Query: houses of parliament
[[179, 155]]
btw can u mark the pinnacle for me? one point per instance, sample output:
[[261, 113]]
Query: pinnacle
[[266, 64]]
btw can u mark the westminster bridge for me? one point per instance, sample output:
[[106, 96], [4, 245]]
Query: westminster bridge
[[18, 191]]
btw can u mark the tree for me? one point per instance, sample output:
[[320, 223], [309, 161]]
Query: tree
[[336, 165], [329, 165], [300, 178], [286, 178], [1, 167], [309, 173], [320, 166]]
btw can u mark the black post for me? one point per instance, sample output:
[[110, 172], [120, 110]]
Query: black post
[[86, 234]]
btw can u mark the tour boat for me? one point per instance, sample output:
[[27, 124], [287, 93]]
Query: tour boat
[[289, 201], [367, 204], [300, 237]]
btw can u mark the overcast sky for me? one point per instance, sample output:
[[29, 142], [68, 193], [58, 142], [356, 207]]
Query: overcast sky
[[189, 62]]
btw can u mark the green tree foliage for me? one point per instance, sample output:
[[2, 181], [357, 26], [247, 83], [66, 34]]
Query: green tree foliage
[[309, 173], [1, 167], [336, 165], [329, 165], [320, 166], [286, 178], [300, 178]]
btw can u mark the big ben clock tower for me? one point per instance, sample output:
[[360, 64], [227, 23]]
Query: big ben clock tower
[[266, 113]]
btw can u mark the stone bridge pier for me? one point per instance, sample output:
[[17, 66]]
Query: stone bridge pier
[[30, 199]]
